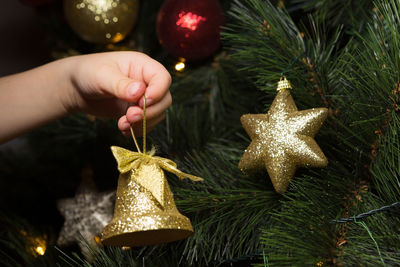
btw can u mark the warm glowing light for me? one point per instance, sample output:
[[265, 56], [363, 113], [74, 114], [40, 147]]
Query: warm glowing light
[[39, 245], [180, 66], [189, 20], [40, 250], [36, 245], [117, 37], [320, 263], [97, 239]]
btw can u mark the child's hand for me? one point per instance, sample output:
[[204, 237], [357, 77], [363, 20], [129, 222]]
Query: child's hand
[[106, 84]]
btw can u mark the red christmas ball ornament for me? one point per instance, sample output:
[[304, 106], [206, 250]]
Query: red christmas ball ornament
[[190, 29]]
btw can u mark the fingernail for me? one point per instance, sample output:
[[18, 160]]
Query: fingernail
[[148, 102], [137, 118], [133, 89]]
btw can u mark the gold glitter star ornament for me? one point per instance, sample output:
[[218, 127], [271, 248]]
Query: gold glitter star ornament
[[283, 139]]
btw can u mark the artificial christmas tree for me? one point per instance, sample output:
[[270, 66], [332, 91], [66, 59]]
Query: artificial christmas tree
[[339, 55]]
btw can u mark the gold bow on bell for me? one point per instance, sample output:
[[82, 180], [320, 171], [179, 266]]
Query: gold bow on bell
[[128, 160]]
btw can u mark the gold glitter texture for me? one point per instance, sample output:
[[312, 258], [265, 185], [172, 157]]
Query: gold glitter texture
[[145, 211], [101, 21], [283, 139]]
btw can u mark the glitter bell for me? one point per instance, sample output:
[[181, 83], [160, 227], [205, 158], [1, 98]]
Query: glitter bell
[[145, 212]]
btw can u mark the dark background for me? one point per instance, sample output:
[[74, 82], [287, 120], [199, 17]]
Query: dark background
[[22, 39]]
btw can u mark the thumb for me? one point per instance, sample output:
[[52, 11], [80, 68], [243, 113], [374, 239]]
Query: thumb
[[116, 83]]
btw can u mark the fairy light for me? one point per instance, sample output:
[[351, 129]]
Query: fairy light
[[39, 245], [36, 245], [180, 66], [40, 250]]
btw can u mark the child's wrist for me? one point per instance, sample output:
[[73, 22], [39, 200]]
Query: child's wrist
[[68, 97]]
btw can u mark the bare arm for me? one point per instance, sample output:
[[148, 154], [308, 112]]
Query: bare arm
[[33, 98], [102, 84]]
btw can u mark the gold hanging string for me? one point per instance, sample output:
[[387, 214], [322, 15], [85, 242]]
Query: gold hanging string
[[134, 140], [144, 129], [144, 124]]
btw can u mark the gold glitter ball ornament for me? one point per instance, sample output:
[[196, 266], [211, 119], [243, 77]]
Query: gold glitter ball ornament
[[145, 211], [283, 139], [101, 21]]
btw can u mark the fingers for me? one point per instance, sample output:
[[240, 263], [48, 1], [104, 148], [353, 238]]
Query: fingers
[[153, 111], [135, 76], [124, 125], [138, 127], [112, 81], [134, 114], [154, 114], [158, 82]]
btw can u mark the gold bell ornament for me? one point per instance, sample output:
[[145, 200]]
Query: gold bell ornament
[[145, 211]]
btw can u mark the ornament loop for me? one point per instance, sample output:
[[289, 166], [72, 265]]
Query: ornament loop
[[134, 139], [283, 84], [144, 129]]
